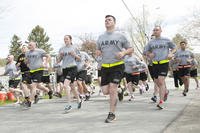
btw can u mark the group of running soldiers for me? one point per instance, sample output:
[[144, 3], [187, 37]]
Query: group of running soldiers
[[116, 61]]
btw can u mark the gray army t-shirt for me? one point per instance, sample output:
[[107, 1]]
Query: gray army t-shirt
[[160, 47], [132, 64], [11, 70], [184, 56], [35, 58], [81, 64], [110, 43], [67, 59]]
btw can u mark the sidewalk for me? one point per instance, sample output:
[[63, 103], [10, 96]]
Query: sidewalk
[[188, 121]]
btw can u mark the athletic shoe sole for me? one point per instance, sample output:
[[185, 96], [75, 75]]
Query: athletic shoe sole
[[67, 110], [184, 94], [160, 107], [79, 105], [107, 121]]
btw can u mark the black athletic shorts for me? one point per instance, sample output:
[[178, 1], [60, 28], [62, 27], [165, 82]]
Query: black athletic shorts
[[26, 77], [193, 73], [81, 76], [112, 74], [46, 79], [132, 78], [88, 79], [60, 78], [143, 76], [151, 71], [13, 83], [160, 70], [70, 73], [99, 73], [37, 76], [184, 72]]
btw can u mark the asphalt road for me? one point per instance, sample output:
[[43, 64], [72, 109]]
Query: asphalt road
[[138, 116]]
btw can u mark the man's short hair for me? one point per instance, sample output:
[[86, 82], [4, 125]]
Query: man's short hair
[[27, 42], [111, 17], [183, 42], [158, 27]]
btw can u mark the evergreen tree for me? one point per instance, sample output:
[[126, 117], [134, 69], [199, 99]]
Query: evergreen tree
[[40, 37], [15, 46]]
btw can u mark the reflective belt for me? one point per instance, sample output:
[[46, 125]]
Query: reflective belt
[[15, 78], [135, 73], [25, 72], [161, 62], [46, 75], [113, 64], [184, 66], [39, 69]]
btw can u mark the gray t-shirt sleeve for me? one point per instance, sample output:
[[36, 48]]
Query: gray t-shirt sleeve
[[147, 48], [192, 54], [42, 52], [125, 42], [171, 44]]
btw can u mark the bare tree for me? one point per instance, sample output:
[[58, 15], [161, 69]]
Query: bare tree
[[139, 29], [191, 29], [88, 43]]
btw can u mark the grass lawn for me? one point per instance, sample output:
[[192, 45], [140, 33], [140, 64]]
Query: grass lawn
[[6, 102]]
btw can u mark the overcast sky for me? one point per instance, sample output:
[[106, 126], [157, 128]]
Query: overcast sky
[[76, 17]]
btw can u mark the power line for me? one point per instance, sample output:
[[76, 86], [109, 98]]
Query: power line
[[132, 16]]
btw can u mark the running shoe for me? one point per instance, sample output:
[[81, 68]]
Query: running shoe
[[68, 108], [166, 95], [154, 99], [111, 117], [79, 104], [50, 93], [184, 93], [147, 87], [57, 94], [36, 99], [131, 98], [87, 97], [27, 104], [161, 105], [126, 94], [121, 95]]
